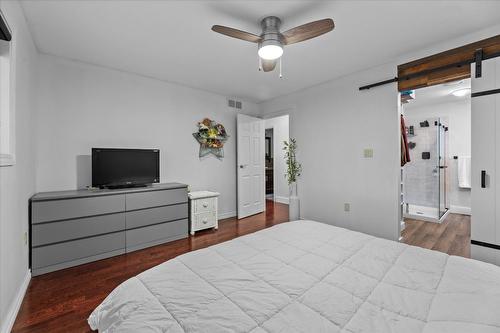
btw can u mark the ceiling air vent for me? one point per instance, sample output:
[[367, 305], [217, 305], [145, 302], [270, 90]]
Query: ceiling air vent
[[234, 104]]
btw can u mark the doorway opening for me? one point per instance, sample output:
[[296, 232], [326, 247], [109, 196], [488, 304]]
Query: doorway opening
[[277, 130], [436, 181], [269, 164]]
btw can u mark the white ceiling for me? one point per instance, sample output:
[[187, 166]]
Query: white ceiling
[[172, 40], [438, 94]]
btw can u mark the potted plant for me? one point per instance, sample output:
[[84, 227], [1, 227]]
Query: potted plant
[[293, 170]]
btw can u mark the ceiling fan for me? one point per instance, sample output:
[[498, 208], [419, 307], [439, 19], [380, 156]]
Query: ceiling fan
[[271, 40]]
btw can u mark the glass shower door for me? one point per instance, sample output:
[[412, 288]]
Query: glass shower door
[[442, 168]]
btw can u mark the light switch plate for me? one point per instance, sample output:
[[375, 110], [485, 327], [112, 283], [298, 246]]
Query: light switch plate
[[347, 207], [368, 153]]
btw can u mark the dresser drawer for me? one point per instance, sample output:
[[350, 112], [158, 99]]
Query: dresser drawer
[[78, 249], [47, 233], [204, 220], [53, 210], [156, 234], [143, 217], [204, 205], [156, 198]]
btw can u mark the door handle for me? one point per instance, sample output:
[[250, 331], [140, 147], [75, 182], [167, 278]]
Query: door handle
[[242, 166], [483, 178]]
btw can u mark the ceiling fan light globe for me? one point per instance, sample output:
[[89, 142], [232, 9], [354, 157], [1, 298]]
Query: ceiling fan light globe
[[270, 52]]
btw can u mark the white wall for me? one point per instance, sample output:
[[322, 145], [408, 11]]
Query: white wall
[[457, 117], [333, 123], [17, 182], [281, 132], [83, 106]]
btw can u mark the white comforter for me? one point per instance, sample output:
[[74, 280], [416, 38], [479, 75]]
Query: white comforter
[[306, 276]]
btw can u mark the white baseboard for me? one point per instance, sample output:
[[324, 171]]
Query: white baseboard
[[16, 304], [460, 210], [283, 200], [227, 215]]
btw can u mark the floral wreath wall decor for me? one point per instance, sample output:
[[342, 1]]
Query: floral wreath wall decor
[[211, 136]]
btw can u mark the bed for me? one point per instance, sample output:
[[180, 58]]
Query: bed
[[306, 276]]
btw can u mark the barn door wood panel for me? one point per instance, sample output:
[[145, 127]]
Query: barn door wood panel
[[446, 66]]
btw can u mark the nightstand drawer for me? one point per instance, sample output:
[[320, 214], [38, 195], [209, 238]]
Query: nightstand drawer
[[204, 220], [204, 205]]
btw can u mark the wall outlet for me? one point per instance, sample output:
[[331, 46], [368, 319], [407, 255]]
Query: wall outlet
[[368, 153], [347, 207], [25, 238]]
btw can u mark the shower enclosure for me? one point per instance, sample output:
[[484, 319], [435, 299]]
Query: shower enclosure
[[426, 176]]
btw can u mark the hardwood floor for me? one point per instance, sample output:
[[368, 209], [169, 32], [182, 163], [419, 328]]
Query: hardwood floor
[[61, 301], [452, 236]]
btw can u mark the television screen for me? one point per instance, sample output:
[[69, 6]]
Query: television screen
[[113, 167]]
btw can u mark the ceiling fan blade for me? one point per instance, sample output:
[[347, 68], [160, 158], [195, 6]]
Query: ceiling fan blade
[[268, 65], [235, 33], [307, 31]]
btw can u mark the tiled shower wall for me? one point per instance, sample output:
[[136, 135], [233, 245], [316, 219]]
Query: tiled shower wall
[[421, 177]]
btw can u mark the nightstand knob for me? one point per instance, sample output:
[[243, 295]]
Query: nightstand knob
[[205, 205], [205, 221]]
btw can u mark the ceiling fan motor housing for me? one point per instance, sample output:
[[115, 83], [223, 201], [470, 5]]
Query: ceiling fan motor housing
[[271, 32]]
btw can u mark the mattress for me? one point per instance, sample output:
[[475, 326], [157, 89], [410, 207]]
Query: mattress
[[306, 276]]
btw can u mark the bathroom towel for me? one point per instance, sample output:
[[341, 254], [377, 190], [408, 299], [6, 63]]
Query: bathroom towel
[[464, 171]]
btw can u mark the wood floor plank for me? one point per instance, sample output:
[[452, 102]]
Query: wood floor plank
[[452, 236]]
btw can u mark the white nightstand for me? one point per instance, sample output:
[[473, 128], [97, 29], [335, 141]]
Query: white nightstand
[[202, 210]]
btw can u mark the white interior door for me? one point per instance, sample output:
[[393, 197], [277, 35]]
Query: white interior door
[[251, 168], [485, 163]]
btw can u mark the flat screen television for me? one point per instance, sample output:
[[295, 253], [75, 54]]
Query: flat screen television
[[114, 168]]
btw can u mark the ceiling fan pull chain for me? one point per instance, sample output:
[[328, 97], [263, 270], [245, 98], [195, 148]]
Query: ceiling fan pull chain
[[260, 63], [281, 75]]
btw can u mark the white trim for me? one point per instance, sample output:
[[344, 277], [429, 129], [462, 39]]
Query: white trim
[[227, 215], [7, 160], [16, 304], [402, 225], [278, 113], [283, 200], [460, 210], [8, 105]]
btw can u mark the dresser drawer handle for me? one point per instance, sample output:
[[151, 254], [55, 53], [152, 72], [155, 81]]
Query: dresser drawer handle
[[205, 205], [205, 221]]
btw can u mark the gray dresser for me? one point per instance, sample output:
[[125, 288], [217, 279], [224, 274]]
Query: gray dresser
[[69, 228]]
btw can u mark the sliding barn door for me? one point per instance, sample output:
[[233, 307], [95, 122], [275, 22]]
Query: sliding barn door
[[485, 117], [251, 168]]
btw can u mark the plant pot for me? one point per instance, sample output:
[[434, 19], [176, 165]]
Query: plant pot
[[294, 203]]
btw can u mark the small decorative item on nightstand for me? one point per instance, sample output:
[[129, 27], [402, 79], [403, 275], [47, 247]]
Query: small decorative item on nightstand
[[202, 210]]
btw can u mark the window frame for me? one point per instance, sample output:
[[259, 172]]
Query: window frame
[[7, 89]]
